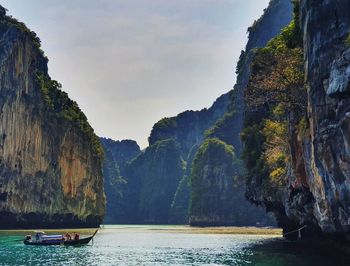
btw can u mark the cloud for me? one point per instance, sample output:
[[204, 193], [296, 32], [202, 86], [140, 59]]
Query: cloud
[[129, 63]]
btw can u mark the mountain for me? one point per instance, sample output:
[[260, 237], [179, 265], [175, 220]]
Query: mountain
[[50, 158]]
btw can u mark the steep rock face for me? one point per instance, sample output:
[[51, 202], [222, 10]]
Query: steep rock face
[[325, 27], [180, 206], [50, 172], [156, 174], [116, 184]]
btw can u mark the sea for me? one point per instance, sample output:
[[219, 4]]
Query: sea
[[167, 245]]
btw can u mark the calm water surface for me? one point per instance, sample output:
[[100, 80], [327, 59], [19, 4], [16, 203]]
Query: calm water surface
[[144, 246]]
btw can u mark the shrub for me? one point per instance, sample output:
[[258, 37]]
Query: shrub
[[347, 41]]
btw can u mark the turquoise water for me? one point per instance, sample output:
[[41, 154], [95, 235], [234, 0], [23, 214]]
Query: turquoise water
[[147, 246]]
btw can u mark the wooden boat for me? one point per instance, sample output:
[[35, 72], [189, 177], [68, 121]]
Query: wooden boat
[[41, 239]]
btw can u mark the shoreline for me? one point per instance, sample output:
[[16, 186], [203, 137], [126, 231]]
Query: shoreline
[[224, 230]]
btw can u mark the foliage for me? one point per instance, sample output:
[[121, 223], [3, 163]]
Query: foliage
[[253, 140], [9, 21], [347, 41], [118, 183], [276, 150], [224, 129], [113, 181], [165, 123], [296, 20], [278, 76], [2, 11], [303, 128], [240, 62], [276, 100], [266, 151], [58, 102]]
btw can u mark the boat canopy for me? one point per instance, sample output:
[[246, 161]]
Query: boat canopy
[[51, 236]]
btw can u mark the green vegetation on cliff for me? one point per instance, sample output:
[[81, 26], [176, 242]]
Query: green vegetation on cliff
[[217, 188], [9, 21], [227, 128]]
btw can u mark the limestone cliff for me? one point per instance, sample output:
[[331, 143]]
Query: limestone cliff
[[50, 159], [316, 189], [326, 26]]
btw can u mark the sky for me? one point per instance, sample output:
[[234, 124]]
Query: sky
[[129, 63]]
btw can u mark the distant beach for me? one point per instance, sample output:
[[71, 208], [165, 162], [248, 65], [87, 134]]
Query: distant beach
[[158, 228]]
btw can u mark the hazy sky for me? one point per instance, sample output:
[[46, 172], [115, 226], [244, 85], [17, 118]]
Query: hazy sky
[[130, 63]]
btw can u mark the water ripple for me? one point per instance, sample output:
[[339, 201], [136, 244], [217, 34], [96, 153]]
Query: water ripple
[[128, 247]]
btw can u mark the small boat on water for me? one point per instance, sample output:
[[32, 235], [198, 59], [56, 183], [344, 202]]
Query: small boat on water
[[41, 239]]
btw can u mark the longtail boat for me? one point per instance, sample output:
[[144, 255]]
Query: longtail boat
[[41, 239]]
